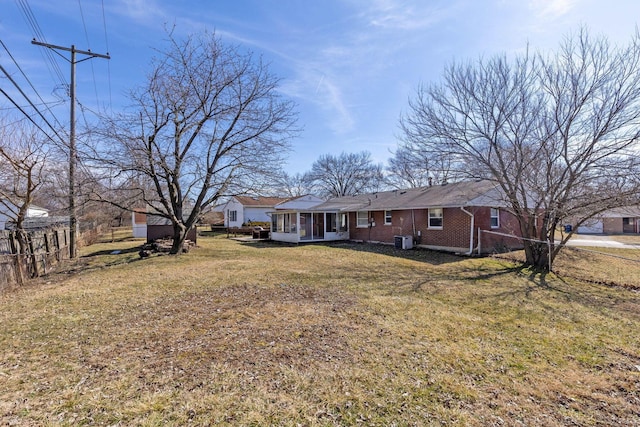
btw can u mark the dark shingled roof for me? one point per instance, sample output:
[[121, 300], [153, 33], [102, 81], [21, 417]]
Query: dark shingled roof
[[466, 193]]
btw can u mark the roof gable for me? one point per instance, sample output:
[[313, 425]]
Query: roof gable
[[302, 202], [260, 202]]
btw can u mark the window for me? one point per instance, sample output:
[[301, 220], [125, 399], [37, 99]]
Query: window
[[233, 216], [293, 219], [387, 217], [342, 226], [331, 224], [435, 218], [284, 223], [362, 219], [495, 218]]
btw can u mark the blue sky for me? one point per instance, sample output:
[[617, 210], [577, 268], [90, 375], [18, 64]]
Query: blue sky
[[350, 65]]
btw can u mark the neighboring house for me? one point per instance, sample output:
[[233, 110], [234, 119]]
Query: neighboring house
[[32, 212], [242, 210], [614, 221], [442, 217]]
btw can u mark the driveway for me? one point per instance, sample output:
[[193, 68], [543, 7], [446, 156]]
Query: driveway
[[603, 241]]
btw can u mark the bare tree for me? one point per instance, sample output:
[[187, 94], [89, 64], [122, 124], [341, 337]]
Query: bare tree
[[208, 123], [411, 168], [290, 185], [345, 175], [558, 133], [22, 163]]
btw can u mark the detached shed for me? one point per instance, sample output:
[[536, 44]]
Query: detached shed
[[160, 228], [139, 223]]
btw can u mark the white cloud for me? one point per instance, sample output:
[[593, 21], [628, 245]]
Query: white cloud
[[551, 9]]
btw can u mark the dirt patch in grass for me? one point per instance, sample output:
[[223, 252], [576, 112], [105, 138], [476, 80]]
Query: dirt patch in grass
[[244, 327]]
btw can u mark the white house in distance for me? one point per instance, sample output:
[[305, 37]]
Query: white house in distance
[[32, 212], [245, 209]]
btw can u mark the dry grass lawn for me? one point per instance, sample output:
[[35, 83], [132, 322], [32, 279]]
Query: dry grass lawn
[[257, 334]]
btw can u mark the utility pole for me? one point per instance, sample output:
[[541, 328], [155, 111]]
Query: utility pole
[[72, 132]]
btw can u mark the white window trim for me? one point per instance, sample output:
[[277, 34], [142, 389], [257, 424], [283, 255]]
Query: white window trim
[[435, 227], [385, 218], [358, 225], [497, 217]]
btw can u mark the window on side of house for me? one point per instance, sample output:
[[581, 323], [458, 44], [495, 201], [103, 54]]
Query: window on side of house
[[233, 216], [293, 219], [362, 219], [495, 218], [387, 217], [331, 222], [344, 224], [435, 218]]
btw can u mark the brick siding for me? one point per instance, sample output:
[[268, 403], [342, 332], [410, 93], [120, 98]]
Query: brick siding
[[454, 233]]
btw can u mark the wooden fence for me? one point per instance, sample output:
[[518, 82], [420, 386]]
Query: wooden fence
[[44, 249]]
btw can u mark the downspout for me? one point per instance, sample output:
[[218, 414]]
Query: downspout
[[413, 224], [470, 229]]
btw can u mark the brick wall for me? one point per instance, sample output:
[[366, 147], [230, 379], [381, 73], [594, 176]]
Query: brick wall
[[498, 243], [454, 233], [612, 225]]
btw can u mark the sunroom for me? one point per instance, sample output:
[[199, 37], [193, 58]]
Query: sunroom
[[309, 226]]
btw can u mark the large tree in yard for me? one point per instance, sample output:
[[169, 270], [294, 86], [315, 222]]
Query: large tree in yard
[[208, 123], [558, 133]]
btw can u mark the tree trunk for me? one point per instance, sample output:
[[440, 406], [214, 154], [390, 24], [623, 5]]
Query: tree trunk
[[536, 255], [179, 236]]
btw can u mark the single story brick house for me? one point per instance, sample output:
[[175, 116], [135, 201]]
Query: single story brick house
[[446, 217]]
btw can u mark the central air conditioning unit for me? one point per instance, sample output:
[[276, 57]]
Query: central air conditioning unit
[[403, 242]]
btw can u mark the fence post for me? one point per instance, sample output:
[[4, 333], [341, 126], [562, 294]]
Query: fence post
[[18, 258], [479, 241], [34, 258]]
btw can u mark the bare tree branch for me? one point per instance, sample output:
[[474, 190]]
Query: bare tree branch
[[552, 130]]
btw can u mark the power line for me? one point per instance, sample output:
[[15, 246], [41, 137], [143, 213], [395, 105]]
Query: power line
[[31, 85], [27, 116], [30, 103], [32, 22], [106, 41], [54, 103], [86, 35]]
